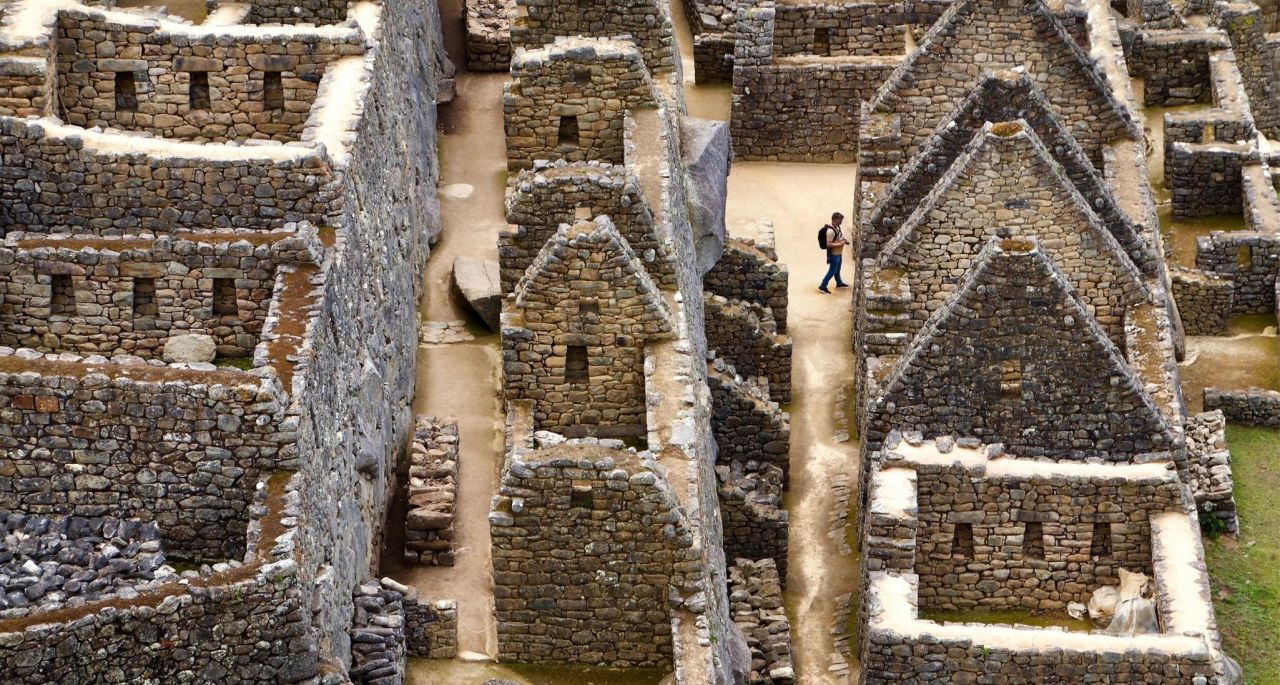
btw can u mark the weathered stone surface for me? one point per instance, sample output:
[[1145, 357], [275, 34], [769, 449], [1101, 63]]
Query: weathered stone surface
[[707, 158], [191, 347], [478, 284]]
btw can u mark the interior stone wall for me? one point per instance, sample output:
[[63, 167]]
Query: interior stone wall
[[645, 24], [746, 336], [92, 50], [753, 274], [319, 12]]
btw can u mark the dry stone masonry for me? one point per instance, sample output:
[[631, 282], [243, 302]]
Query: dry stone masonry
[[432, 493]]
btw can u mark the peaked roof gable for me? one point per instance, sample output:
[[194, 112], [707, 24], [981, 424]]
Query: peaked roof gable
[[973, 35], [1014, 357], [998, 96]]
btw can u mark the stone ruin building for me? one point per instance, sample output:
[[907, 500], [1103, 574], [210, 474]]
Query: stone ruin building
[[212, 243]]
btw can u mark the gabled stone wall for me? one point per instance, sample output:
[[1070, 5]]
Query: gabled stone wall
[[553, 535], [569, 100]]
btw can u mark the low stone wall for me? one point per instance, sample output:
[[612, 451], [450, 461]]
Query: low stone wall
[[646, 24], [1252, 407], [199, 442], [746, 336], [85, 182], [489, 34], [754, 522], [755, 596], [751, 273], [377, 636], [51, 563], [1251, 259], [296, 11], [1204, 300], [713, 58], [1209, 462], [1174, 65], [747, 425], [433, 488], [431, 630]]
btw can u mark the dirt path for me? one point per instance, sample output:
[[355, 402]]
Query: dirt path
[[462, 379], [799, 198]]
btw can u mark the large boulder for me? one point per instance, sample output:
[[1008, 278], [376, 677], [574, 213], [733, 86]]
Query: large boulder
[[190, 348], [708, 154], [478, 283]]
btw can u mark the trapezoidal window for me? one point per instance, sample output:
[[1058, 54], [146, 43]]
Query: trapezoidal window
[[822, 42], [581, 496], [224, 297], [588, 307], [62, 294], [962, 542], [1100, 543], [272, 90], [126, 92], [198, 90], [1244, 256], [1011, 388], [1033, 540], [569, 133], [577, 365], [144, 298]]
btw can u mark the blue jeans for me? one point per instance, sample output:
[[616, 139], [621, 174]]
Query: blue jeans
[[833, 270]]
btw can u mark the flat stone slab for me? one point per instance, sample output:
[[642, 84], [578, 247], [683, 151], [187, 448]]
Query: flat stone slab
[[479, 284], [190, 348], [444, 333]]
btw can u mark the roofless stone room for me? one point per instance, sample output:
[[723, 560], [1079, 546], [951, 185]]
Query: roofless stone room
[[488, 342]]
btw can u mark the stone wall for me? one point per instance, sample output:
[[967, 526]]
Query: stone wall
[[755, 590], [1243, 24], [549, 195], [196, 446], [1210, 467], [489, 34], [1250, 260], [575, 335], [747, 425], [552, 529], [1174, 65], [431, 632], [745, 335], [255, 87], [26, 86], [377, 636], [1205, 300], [82, 181], [569, 101], [432, 493], [128, 297], [1252, 407], [51, 563], [751, 273], [645, 24], [317, 12], [755, 524]]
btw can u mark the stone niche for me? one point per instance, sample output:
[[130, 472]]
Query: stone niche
[[189, 83]]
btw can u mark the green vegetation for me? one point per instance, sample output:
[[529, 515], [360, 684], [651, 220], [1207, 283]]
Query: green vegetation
[[1246, 572], [242, 363]]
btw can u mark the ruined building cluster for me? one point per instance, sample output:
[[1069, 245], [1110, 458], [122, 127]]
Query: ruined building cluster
[[212, 240]]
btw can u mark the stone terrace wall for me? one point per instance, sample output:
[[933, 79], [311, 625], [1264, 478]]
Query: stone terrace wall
[[586, 84], [645, 24], [65, 178], [746, 336], [1252, 407], [548, 196], [433, 491], [183, 452], [1209, 463], [1004, 570], [753, 274], [553, 528], [93, 50], [489, 34], [1205, 300], [105, 317]]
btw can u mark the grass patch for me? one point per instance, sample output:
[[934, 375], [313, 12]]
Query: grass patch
[[242, 363], [1246, 572]]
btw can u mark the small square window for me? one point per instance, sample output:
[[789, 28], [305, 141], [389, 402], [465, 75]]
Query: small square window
[[198, 90], [1011, 387], [822, 42], [62, 294], [1100, 543], [272, 90], [1033, 540], [588, 307], [144, 298], [569, 133], [225, 299], [962, 542], [577, 365], [581, 496]]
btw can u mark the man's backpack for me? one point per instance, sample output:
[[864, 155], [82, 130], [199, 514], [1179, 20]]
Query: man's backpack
[[822, 236]]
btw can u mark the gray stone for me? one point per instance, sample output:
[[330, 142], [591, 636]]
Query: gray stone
[[708, 155], [478, 284], [190, 348]]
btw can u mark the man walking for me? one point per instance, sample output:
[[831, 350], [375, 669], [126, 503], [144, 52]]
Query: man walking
[[831, 238]]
